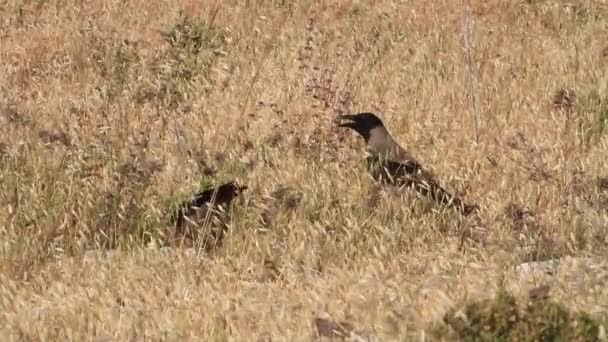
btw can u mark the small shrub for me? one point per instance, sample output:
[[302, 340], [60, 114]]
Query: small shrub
[[192, 35], [194, 48], [500, 319]]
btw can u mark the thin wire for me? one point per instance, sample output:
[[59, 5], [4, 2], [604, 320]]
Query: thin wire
[[470, 72]]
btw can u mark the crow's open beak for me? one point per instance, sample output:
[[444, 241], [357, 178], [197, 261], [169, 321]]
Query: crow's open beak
[[346, 120]]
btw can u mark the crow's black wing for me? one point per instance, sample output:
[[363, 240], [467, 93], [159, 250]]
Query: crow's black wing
[[411, 174]]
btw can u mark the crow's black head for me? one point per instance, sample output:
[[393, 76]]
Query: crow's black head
[[228, 191], [219, 196], [362, 123]]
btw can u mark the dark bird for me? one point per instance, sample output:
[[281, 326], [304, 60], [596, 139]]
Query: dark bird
[[206, 210], [388, 163]]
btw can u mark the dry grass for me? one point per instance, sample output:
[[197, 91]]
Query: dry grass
[[110, 111]]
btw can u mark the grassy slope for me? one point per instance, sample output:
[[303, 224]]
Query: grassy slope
[[250, 90]]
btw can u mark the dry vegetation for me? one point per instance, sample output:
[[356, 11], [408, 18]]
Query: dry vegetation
[[111, 111]]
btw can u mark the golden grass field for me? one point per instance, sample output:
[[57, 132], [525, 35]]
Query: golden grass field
[[110, 111]]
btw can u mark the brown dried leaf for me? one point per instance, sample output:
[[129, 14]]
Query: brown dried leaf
[[52, 135], [327, 328], [539, 293], [564, 99]]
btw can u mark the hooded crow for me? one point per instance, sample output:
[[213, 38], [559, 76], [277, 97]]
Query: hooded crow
[[390, 164]]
